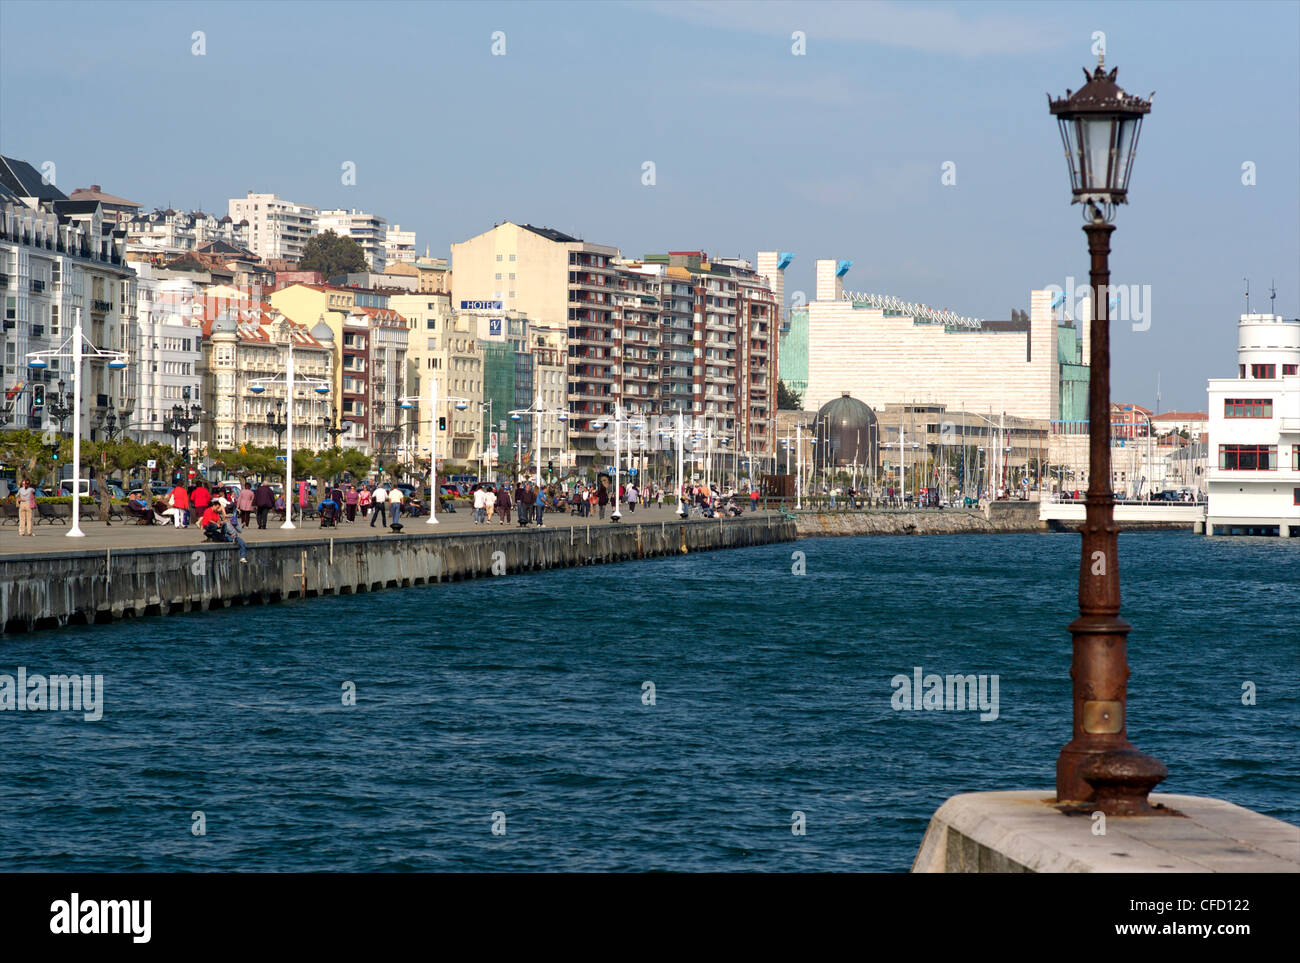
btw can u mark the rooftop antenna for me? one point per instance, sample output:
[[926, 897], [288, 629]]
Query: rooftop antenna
[[1272, 297], [1247, 280], [1157, 392]]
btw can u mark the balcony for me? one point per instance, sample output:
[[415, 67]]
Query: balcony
[[37, 286], [101, 307]]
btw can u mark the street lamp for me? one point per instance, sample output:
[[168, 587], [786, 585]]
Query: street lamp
[[110, 426], [276, 422], [328, 422], [1099, 767], [76, 347]]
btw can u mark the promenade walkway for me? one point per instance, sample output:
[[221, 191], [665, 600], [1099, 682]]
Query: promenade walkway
[[123, 535]]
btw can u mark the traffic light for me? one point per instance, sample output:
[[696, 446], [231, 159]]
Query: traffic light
[[442, 422], [54, 452], [38, 396]]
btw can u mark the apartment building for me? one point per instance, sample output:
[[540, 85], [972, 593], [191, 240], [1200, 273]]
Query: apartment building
[[166, 372], [244, 343], [399, 245], [162, 235], [1254, 433], [277, 229], [59, 259], [368, 230], [555, 279]]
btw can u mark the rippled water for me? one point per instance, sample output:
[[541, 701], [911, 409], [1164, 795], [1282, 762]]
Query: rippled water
[[523, 695]]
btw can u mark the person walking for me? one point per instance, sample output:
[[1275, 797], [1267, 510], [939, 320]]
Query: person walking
[[363, 500], [659, 496], [525, 501], [351, 498], [244, 504], [539, 506], [489, 505], [480, 503], [26, 508], [379, 498], [395, 504], [602, 499], [200, 497], [180, 500], [631, 495], [263, 501], [504, 504]]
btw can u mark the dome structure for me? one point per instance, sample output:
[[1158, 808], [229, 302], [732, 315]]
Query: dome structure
[[847, 433], [225, 323], [322, 333]]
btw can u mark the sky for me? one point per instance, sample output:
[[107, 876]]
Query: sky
[[838, 151]]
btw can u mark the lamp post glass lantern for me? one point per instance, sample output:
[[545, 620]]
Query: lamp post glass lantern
[[1099, 768]]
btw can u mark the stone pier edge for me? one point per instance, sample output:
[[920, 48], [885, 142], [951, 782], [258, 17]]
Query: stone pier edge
[[89, 586]]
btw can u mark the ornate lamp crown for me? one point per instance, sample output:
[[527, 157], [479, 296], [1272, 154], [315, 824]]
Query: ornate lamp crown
[[1100, 124]]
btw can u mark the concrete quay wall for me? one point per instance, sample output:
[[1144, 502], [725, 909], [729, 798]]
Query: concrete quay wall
[[78, 587], [998, 517]]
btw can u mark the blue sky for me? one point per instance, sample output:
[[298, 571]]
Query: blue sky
[[835, 153]]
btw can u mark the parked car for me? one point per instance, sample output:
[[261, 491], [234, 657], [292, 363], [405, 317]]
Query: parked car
[[82, 484]]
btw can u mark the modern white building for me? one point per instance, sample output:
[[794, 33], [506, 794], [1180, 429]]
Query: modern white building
[[1254, 433], [368, 230], [399, 245], [276, 228]]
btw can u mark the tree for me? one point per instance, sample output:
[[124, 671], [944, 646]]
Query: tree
[[332, 255], [30, 450], [104, 458], [787, 399]]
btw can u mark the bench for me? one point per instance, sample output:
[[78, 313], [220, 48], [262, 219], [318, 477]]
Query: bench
[[46, 513], [8, 513]]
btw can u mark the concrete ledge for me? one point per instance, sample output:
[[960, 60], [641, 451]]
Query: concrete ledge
[[1023, 832]]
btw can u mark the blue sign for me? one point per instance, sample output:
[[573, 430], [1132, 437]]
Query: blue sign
[[480, 305], [494, 326]]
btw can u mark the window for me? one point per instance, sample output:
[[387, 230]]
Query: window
[[498, 277], [1297, 496], [1248, 457], [1248, 407], [1241, 371], [1290, 369], [498, 257], [1263, 371], [1295, 457]]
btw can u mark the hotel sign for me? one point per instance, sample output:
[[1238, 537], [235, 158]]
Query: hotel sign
[[480, 305]]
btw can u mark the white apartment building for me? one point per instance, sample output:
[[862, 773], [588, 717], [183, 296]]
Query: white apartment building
[[399, 245], [368, 230], [60, 258], [1254, 433], [169, 313], [276, 228], [168, 234]]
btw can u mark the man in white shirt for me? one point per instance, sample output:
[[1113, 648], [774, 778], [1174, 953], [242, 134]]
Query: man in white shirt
[[377, 498], [395, 503], [480, 503]]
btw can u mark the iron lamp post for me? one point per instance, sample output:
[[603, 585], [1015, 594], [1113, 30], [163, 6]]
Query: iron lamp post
[[1099, 768]]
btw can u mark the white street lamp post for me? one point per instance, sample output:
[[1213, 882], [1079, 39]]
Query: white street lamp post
[[117, 360], [681, 482]]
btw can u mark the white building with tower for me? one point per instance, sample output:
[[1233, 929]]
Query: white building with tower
[[1254, 433]]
